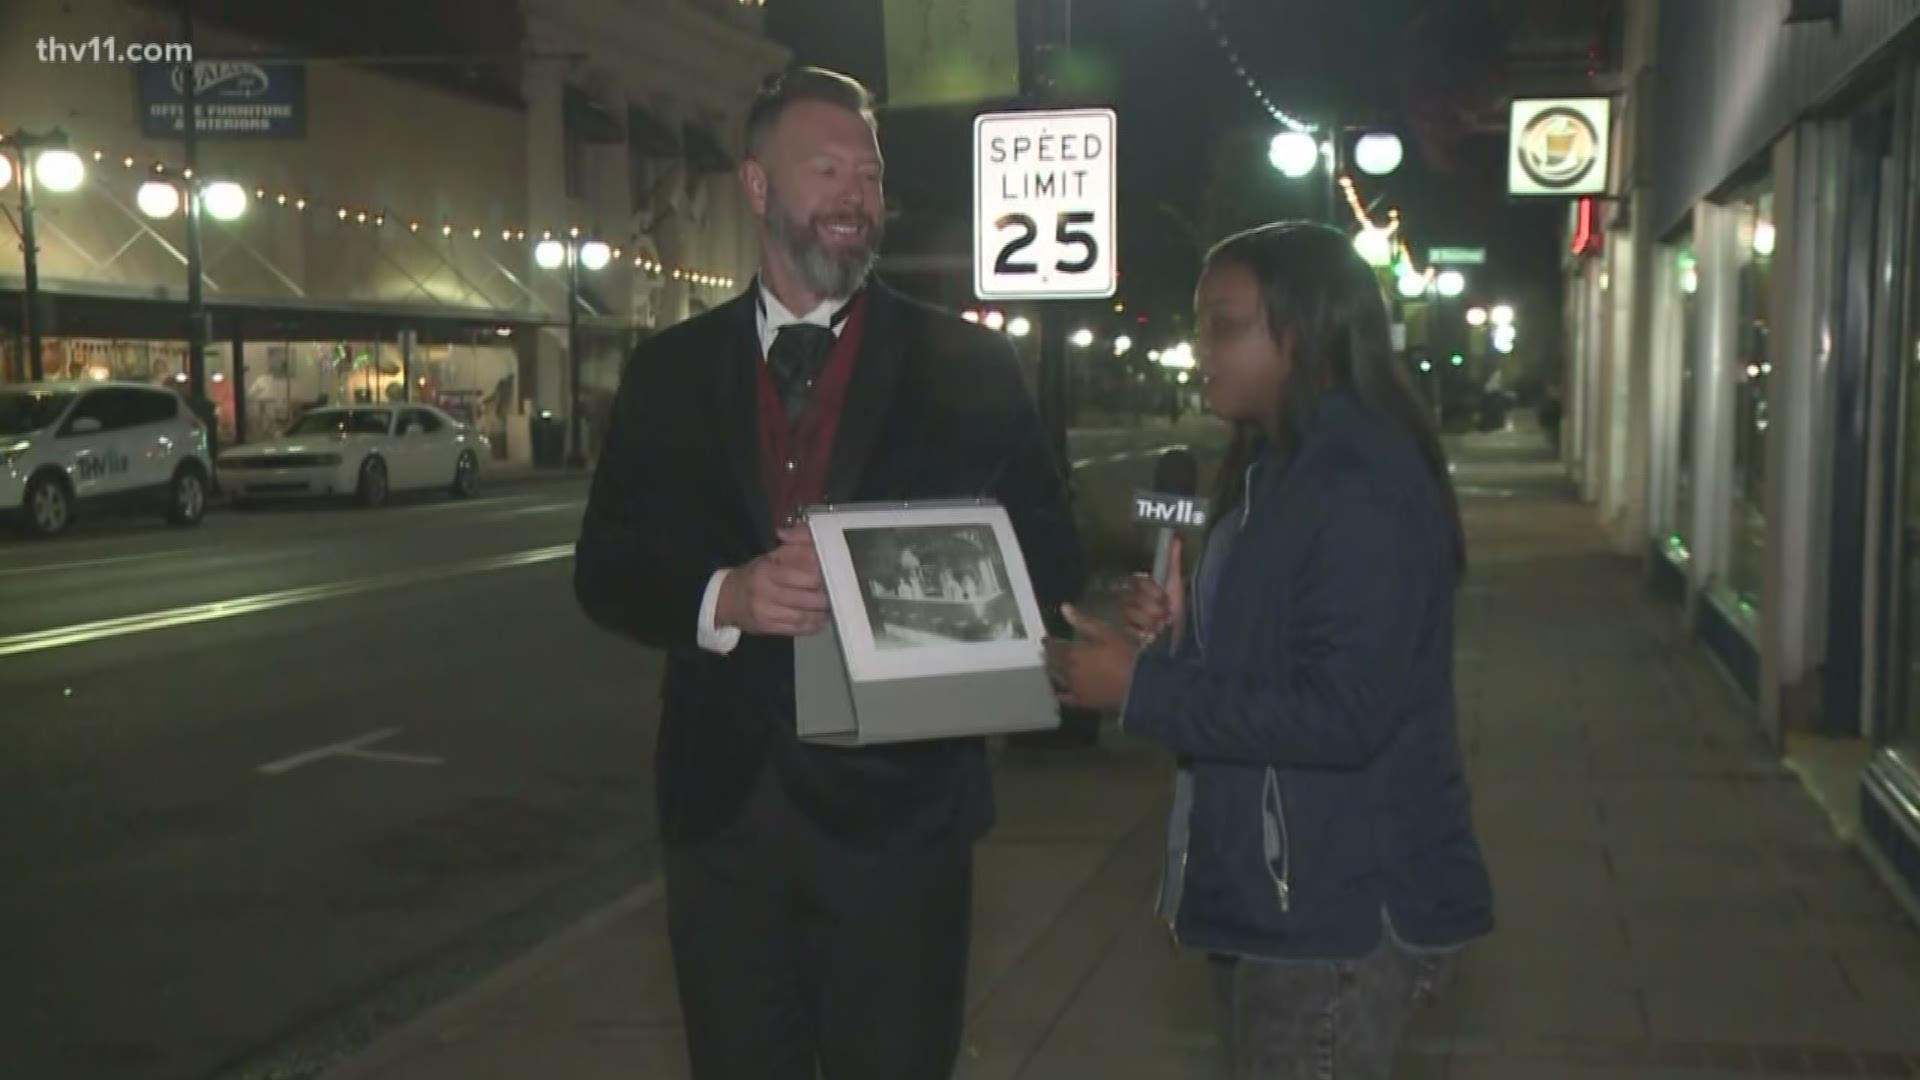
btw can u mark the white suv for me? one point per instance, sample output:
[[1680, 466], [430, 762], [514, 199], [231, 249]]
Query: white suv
[[99, 444]]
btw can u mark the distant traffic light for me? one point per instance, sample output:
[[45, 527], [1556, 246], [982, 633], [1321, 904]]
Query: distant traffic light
[[1459, 361]]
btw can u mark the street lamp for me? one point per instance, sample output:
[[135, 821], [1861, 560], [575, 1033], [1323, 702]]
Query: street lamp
[[1122, 345], [1019, 326], [1502, 315], [573, 253], [1294, 154], [1476, 317], [223, 200], [158, 199], [43, 160], [994, 320], [1412, 285], [1082, 338], [1450, 283], [1374, 244], [1378, 153]]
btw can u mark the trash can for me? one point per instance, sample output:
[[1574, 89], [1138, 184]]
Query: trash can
[[548, 435]]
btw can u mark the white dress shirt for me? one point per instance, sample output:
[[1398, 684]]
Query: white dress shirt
[[772, 315]]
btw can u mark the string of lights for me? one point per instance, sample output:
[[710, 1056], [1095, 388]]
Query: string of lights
[[1240, 69], [357, 216], [1360, 215]]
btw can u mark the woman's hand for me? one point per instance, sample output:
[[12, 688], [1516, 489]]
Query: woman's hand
[[1150, 608], [1095, 670]]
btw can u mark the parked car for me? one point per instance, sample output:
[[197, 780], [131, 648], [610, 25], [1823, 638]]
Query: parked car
[[368, 452], [73, 447]]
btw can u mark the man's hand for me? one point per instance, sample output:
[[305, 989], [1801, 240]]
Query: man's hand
[[781, 592]]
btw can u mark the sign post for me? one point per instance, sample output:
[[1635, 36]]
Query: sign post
[[1044, 225], [1045, 229]]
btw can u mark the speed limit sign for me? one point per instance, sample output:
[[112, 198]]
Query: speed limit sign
[[1043, 205]]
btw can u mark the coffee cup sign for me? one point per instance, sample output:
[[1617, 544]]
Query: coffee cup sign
[[1560, 146]]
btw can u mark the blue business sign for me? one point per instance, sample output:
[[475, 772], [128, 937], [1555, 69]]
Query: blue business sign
[[234, 99]]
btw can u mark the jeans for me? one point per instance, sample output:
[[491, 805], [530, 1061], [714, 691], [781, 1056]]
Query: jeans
[[1325, 1019]]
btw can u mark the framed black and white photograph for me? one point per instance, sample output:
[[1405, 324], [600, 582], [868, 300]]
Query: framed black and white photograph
[[928, 591]]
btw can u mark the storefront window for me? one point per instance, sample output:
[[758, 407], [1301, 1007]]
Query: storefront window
[[285, 379], [1687, 281], [1753, 371], [1904, 729]]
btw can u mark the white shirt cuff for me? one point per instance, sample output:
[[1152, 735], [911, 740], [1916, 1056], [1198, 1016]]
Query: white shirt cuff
[[710, 637]]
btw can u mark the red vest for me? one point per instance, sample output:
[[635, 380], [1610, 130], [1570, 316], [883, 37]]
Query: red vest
[[794, 458]]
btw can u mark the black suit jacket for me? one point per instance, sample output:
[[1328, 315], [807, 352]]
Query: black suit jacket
[[936, 409]]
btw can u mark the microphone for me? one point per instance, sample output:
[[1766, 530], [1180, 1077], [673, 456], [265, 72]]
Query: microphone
[[1171, 505]]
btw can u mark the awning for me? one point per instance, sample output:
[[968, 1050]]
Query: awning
[[704, 152], [590, 121], [648, 136]]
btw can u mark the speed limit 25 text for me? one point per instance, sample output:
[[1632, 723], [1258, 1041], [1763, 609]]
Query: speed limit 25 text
[[1046, 166]]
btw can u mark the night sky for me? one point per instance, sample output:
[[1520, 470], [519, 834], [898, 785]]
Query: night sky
[[1193, 138]]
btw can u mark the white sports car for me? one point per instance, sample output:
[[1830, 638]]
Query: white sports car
[[365, 451]]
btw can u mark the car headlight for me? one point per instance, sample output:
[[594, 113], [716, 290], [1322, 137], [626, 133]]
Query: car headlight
[[13, 452]]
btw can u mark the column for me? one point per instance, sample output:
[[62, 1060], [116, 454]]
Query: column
[[1637, 287], [547, 207], [1795, 571], [1664, 385], [1573, 379], [239, 385]]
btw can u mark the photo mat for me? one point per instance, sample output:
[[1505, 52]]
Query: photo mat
[[928, 591]]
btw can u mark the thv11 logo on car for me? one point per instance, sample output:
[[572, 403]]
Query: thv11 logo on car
[[96, 466]]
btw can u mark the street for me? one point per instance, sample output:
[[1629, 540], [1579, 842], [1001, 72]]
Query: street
[[278, 782]]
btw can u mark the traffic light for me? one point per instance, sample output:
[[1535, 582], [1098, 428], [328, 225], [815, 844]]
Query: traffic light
[[1459, 361]]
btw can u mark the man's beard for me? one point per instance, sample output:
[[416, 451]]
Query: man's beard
[[826, 273]]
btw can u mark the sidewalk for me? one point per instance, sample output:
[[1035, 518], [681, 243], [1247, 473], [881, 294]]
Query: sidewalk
[[1672, 905]]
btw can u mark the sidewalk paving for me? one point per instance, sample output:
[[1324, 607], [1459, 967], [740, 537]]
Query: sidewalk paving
[[1672, 904]]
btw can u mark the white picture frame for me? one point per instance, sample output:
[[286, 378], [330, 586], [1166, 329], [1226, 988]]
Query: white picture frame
[[929, 590]]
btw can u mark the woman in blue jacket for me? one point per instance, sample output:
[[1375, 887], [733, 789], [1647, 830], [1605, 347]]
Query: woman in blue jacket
[[1322, 846]]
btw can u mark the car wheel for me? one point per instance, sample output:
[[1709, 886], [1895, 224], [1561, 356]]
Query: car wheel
[[466, 477], [49, 505], [373, 488], [187, 496]]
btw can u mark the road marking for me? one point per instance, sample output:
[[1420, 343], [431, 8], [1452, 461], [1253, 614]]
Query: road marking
[[83, 633], [351, 748], [543, 508], [48, 568], [1127, 455]]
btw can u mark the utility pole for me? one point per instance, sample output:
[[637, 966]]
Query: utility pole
[[31, 255], [1042, 62], [196, 298]]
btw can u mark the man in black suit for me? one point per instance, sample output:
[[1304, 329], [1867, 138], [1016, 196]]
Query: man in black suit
[[818, 898]]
